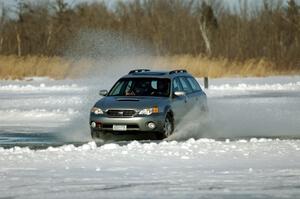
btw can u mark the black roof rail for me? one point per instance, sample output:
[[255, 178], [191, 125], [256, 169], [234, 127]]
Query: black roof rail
[[178, 71], [138, 71]]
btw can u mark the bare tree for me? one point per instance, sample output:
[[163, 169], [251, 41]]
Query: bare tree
[[207, 24], [172, 27], [2, 21]]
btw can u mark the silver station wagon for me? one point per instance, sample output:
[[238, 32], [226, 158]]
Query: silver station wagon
[[145, 102]]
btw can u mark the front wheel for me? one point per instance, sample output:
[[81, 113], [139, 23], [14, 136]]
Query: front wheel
[[168, 127], [96, 134]]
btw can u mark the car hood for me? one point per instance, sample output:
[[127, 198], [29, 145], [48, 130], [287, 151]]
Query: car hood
[[113, 102]]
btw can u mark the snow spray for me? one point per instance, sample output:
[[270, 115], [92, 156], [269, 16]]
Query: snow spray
[[112, 55], [195, 124], [243, 108]]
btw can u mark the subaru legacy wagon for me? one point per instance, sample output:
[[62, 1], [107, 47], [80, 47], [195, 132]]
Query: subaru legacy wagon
[[145, 101]]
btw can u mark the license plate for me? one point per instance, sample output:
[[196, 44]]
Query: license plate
[[119, 127]]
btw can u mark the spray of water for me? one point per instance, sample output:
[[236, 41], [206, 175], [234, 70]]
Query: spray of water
[[108, 56], [257, 114], [195, 124]]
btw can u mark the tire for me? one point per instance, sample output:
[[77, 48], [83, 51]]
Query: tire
[[96, 134], [168, 127]]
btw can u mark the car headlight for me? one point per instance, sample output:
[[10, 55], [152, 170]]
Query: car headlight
[[96, 111], [146, 111], [149, 111]]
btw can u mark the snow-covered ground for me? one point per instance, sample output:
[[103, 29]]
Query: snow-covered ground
[[247, 150]]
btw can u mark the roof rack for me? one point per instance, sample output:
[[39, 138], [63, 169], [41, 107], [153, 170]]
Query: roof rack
[[138, 71], [178, 71]]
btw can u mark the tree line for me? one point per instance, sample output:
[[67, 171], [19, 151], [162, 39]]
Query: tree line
[[269, 30]]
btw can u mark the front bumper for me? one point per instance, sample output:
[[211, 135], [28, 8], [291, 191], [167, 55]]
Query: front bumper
[[136, 123]]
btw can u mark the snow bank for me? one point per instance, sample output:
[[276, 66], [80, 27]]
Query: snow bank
[[258, 87], [207, 152], [204, 168], [41, 87]]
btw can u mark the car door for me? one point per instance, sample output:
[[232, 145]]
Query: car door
[[179, 103], [189, 93], [198, 97]]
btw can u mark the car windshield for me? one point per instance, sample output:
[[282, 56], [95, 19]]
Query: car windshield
[[141, 87]]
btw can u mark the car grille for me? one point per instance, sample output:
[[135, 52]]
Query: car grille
[[120, 113]]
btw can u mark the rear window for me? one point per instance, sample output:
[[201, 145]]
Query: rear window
[[185, 85], [194, 84]]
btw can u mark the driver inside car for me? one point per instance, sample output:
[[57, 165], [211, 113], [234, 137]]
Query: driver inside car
[[141, 89], [162, 88]]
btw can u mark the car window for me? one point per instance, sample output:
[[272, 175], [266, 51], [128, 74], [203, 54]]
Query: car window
[[128, 86], [159, 87], [117, 88], [194, 84], [185, 85], [154, 84], [176, 85]]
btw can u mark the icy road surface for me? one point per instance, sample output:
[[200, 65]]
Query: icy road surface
[[249, 149]]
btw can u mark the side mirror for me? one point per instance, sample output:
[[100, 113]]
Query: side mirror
[[103, 92], [179, 93]]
